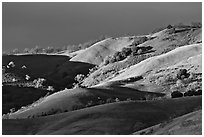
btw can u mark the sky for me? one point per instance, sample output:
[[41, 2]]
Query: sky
[[25, 25]]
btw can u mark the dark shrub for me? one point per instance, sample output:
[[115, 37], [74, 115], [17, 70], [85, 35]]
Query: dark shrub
[[176, 94], [110, 100], [189, 93], [118, 58], [196, 24], [126, 51], [169, 27], [101, 102], [76, 107], [117, 53], [198, 92], [113, 59], [134, 49], [182, 73], [140, 40], [106, 62]]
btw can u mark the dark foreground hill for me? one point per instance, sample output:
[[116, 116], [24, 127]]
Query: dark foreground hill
[[189, 124], [115, 118]]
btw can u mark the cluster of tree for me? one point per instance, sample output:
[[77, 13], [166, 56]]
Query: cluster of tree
[[139, 40], [193, 88], [79, 79], [192, 25], [192, 92], [76, 107], [121, 55], [70, 48], [182, 73], [37, 50], [43, 84], [179, 25], [101, 101]]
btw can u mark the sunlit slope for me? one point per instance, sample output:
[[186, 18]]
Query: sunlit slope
[[163, 60], [97, 52]]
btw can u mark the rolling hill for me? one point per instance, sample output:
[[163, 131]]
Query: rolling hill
[[97, 52], [114, 118], [156, 62], [189, 124]]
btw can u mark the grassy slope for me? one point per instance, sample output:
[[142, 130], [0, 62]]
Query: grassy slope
[[80, 96], [160, 45], [115, 118], [156, 62], [192, 65], [97, 52], [189, 124]]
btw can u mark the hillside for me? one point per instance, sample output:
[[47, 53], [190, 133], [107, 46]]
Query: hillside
[[160, 43], [156, 62], [81, 98], [189, 124], [97, 52], [115, 118]]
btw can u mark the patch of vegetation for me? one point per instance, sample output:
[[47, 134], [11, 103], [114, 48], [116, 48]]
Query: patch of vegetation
[[182, 73], [48, 50], [119, 56], [139, 40], [176, 94]]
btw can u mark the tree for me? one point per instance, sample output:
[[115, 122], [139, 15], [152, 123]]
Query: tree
[[194, 86], [189, 93], [15, 51], [134, 49], [198, 92], [139, 51], [39, 82], [107, 60], [109, 100], [169, 26], [176, 94], [126, 51], [113, 59], [117, 99], [182, 73], [49, 50], [26, 50], [37, 49], [50, 88], [12, 110], [196, 24], [79, 78]]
